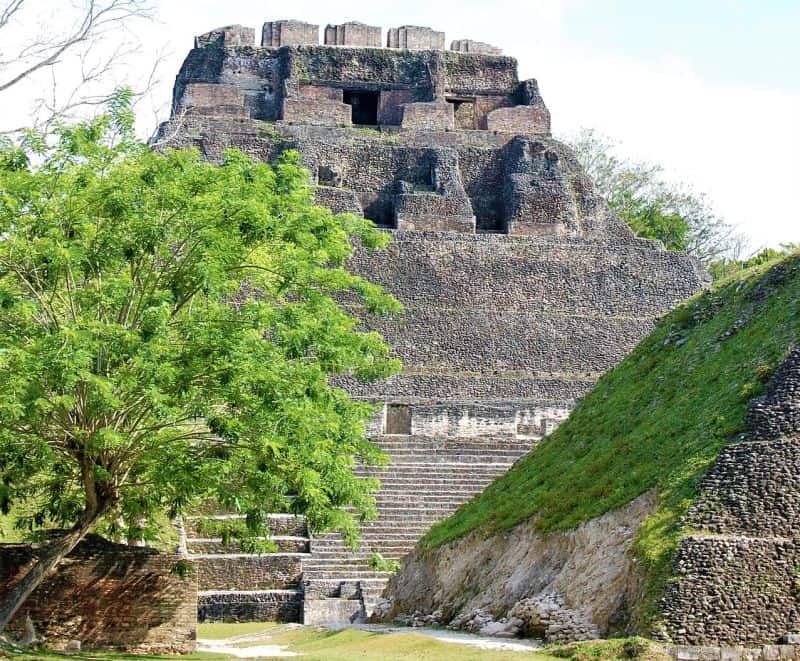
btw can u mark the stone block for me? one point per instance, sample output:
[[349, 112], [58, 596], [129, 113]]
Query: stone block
[[214, 100], [229, 36], [414, 37], [316, 112], [275, 34], [428, 116], [319, 612], [353, 34], [478, 47], [520, 120], [432, 212], [338, 200]]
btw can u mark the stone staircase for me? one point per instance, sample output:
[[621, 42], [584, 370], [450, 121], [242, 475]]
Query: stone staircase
[[429, 477], [240, 587], [316, 579]]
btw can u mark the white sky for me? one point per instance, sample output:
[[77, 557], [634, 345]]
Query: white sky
[[736, 139]]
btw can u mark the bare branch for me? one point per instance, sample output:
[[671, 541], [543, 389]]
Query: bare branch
[[86, 44], [7, 12]]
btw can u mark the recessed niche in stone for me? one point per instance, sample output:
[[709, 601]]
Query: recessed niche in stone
[[398, 419], [365, 106]]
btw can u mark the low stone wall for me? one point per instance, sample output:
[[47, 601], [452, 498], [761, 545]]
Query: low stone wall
[[264, 572], [727, 653], [733, 591], [110, 597], [272, 606]]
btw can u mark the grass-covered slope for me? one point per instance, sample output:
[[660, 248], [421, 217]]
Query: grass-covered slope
[[656, 421]]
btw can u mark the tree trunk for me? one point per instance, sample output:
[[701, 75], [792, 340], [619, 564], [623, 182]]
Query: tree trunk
[[47, 560]]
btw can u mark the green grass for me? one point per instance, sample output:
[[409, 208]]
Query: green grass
[[656, 421], [347, 644], [317, 644], [218, 631], [44, 655]]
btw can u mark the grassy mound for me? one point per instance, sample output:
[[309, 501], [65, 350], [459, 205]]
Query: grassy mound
[[656, 421]]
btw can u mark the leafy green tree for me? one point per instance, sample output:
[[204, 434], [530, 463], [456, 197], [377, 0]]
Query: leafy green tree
[[727, 266], [654, 209], [168, 331]]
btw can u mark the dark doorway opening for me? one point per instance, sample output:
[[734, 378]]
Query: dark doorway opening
[[365, 106], [398, 419]]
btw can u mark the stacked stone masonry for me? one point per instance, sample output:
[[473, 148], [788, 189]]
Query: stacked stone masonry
[[519, 286], [736, 577], [109, 597]]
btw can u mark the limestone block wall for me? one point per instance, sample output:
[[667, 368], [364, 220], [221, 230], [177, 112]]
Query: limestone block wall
[[273, 606], [733, 591], [414, 37], [275, 34], [472, 46], [353, 34], [737, 576], [266, 572], [476, 420], [428, 116], [276, 71], [110, 597]]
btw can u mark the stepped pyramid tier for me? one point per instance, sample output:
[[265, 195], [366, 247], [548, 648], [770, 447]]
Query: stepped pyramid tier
[[520, 287], [744, 525]]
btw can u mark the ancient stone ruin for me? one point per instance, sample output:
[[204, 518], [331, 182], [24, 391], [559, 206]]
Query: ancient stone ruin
[[520, 287], [107, 596], [737, 575]]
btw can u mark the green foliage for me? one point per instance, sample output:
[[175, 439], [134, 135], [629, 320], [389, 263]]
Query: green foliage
[[653, 208], [245, 532], [168, 331], [639, 649], [377, 562], [183, 569], [655, 422], [728, 266]]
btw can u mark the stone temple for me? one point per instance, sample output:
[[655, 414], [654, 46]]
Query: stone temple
[[520, 286]]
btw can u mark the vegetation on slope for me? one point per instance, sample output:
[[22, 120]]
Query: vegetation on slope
[[656, 421]]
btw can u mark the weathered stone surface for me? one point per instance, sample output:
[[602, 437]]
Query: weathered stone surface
[[353, 33], [414, 37], [108, 597], [250, 606], [560, 586], [736, 579], [471, 46], [275, 34]]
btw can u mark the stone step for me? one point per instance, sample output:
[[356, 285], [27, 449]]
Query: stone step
[[403, 482], [423, 499], [452, 458], [205, 546], [348, 575], [278, 524], [250, 605], [248, 572]]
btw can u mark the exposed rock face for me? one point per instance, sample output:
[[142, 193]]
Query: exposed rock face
[[561, 586], [519, 286]]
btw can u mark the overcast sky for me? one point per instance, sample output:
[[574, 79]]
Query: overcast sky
[[708, 88]]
